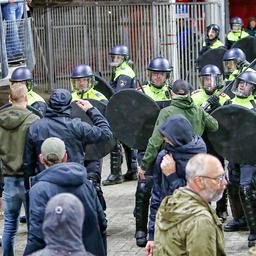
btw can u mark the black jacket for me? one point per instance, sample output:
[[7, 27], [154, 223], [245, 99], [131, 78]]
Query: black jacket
[[58, 123]]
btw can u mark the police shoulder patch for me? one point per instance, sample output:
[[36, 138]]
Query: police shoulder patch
[[224, 95]]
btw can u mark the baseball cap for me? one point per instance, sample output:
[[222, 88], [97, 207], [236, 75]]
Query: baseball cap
[[181, 87], [53, 147]]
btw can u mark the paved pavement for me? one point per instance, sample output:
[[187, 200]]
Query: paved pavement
[[121, 225]]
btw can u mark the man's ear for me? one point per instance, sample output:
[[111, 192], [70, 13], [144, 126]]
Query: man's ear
[[199, 183], [65, 158], [41, 159]]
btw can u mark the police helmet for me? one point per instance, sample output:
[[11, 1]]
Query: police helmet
[[237, 56], [121, 50], [210, 78], [214, 27], [245, 84], [82, 71], [160, 64], [236, 20], [22, 74]]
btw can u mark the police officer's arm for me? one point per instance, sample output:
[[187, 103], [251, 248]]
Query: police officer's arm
[[100, 131], [124, 81], [201, 238]]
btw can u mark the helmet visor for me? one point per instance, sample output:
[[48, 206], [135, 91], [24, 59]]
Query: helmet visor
[[236, 27], [82, 84], [209, 83], [229, 66], [242, 88], [116, 60]]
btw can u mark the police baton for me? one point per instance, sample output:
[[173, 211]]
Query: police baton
[[231, 83]]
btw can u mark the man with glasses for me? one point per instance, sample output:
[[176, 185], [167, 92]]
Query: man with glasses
[[188, 214]]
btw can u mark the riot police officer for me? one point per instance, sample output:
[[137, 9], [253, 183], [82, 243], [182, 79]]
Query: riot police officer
[[211, 82], [236, 33], [242, 177], [123, 77], [234, 62], [82, 82], [212, 41], [23, 74], [157, 88]]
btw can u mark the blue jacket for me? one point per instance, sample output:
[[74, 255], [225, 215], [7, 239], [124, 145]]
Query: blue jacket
[[71, 178], [58, 123], [181, 153]]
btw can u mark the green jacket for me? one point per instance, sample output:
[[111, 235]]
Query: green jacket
[[14, 123], [187, 225], [185, 106]]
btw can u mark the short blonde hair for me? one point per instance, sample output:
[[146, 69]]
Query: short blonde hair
[[18, 91]]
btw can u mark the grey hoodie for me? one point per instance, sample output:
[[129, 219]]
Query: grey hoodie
[[62, 232]]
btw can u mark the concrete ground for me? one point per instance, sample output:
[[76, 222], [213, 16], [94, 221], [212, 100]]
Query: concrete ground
[[121, 225]]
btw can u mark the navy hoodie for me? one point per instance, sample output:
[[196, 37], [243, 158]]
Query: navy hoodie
[[185, 144]]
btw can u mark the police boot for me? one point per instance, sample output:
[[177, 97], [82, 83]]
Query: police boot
[[221, 207], [115, 176], [248, 198], [143, 194], [131, 159], [238, 223]]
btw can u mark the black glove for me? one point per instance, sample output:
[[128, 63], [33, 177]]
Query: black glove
[[214, 101], [208, 42], [228, 102]]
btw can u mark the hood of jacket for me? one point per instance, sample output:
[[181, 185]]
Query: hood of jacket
[[178, 130], [183, 102], [59, 103], [61, 230], [64, 174], [179, 207], [12, 117]]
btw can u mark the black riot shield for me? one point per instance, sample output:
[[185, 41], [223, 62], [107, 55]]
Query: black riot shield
[[98, 150], [235, 139], [248, 45], [212, 56], [132, 116], [103, 86]]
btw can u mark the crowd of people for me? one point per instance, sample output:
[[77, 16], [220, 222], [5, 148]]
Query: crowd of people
[[179, 174]]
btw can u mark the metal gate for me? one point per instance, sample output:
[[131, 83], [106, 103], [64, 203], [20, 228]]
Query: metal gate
[[74, 34]]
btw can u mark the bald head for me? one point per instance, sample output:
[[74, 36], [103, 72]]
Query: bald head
[[203, 165]]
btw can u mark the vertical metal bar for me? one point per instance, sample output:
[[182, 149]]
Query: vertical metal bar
[[49, 48], [97, 41]]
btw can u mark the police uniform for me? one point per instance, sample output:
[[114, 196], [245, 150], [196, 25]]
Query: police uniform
[[242, 181], [156, 94], [122, 77], [232, 37]]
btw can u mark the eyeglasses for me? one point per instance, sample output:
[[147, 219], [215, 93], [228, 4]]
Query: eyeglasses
[[219, 179]]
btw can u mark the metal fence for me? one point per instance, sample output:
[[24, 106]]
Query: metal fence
[[74, 34]]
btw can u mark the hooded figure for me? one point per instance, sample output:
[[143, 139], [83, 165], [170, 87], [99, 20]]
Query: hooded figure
[[75, 133], [62, 232], [184, 145]]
